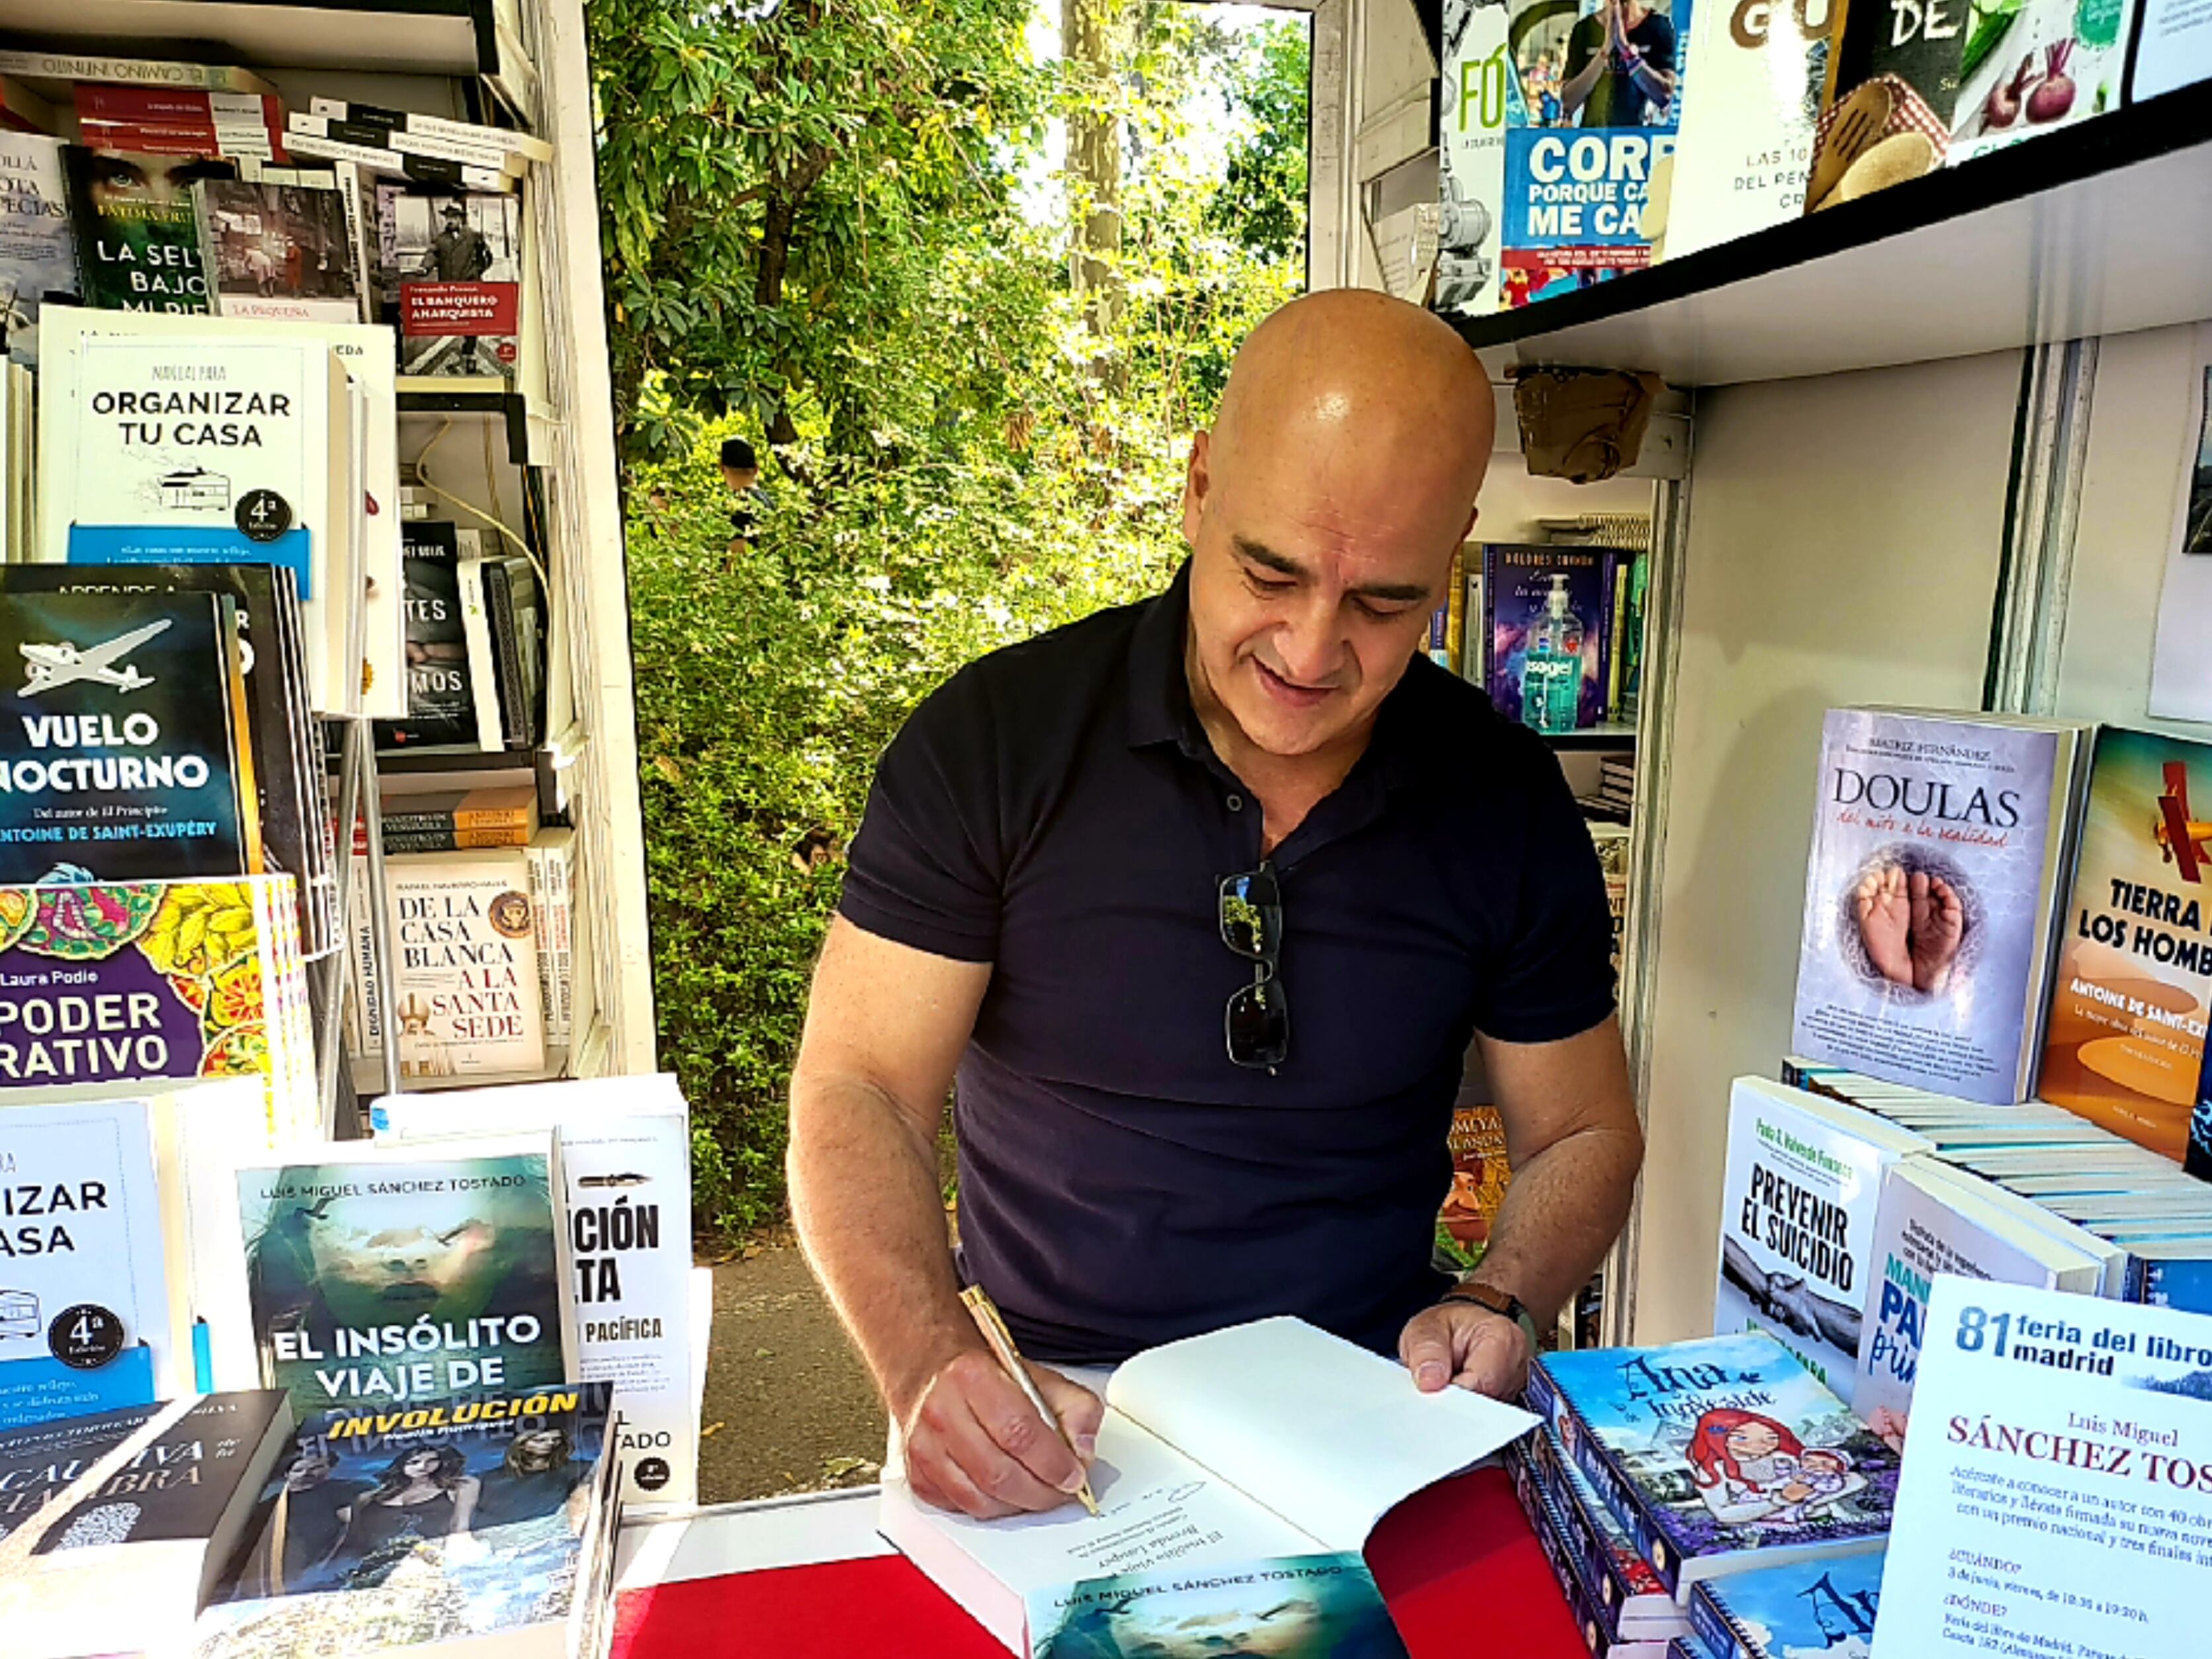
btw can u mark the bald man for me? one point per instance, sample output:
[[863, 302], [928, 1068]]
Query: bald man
[[1200, 903]]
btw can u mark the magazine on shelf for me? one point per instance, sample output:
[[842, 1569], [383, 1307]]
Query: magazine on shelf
[[2125, 1046], [1798, 1205], [1719, 1454], [1940, 847]]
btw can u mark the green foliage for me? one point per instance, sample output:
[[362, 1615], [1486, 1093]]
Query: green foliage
[[1261, 202], [958, 477]]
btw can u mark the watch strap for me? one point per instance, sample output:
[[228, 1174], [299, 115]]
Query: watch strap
[[1490, 1299]]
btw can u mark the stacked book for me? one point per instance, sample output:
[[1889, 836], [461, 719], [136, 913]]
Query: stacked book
[[1679, 1489], [245, 120]]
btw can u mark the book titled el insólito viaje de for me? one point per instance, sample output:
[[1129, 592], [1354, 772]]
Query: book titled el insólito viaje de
[[1718, 1454], [1940, 846], [379, 1275]]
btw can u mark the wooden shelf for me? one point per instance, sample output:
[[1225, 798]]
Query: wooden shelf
[[2103, 228]]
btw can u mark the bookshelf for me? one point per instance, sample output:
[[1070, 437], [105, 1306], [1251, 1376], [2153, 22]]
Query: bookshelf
[[540, 459]]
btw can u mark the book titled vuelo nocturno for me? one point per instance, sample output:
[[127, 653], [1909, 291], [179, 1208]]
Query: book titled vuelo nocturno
[[124, 747]]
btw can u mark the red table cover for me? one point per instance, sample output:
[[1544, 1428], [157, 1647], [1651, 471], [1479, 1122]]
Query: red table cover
[[1462, 1573]]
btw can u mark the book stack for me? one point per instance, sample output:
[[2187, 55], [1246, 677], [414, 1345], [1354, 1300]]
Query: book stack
[[1623, 1610], [1716, 1457], [246, 120]]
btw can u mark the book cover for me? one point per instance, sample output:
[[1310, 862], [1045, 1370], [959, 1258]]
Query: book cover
[[1602, 97], [1639, 1605], [2052, 1501], [1747, 137], [1546, 604], [1478, 84], [38, 1461], [125, 751], [275, 676], [625, 1162], [1936, 1220], [379, 1278], [1718, 1454], [1798, 1207], [464, 969], [137, 235], [1295, 1607], [449, 277], [1825, 1608], [441, 699], [1480, 1171], [180, 1488], [38, 249], [1938, 853], [117, 983], [510, 809], [85, 1321], [2173, 49], [277, 250], [1592, 1620], [2125, 1045], [459, 1521]]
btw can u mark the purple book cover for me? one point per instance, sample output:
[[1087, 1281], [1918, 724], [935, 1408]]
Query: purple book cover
[[1519, 580], [1929, 899]]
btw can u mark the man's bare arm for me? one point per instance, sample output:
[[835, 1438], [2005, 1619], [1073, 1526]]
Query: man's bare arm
[[1575, 1146], [885, 1029]]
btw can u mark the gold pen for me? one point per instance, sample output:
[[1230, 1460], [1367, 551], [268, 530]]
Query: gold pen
[[1001, 1340]]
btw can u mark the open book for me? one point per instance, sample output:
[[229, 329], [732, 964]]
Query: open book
[[1263, 1440]]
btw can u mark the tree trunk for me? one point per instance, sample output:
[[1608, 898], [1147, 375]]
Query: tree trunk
[[1090, 33]]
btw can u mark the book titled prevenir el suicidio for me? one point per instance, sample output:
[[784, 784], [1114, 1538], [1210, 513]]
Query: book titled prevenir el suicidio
[[1940, 846]]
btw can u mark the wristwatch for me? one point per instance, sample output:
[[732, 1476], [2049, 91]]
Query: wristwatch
[[1504, 1303]]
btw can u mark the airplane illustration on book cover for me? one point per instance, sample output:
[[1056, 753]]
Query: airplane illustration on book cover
[[59, 663]]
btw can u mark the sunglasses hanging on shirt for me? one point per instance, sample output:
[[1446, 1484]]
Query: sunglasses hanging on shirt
[[1258, 1018]]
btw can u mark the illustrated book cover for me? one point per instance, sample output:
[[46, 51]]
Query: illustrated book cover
[[626, 1171], [1718, 1454], [1940, 846], [1480, 1171], [125, 749], [137, 233], [488, 1520], [38, 252], [1259, 1441], [1813, 1607], [1798, 1206], [479, 1302], [2125, 1044], [119, 982], [278, 250], [1547, 610], [1296, 1607], [449, 278]]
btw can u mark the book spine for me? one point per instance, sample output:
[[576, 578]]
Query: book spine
[[1716, 1630], [507, 644], [444, 841], [1474, 627], [424, 169], [1613, 1589], [1616, 606], [511, 821], [550, 897], [132, 71], [1617, 1491], [1597, 1633], [475, 631], [505, 138], [405, 142]]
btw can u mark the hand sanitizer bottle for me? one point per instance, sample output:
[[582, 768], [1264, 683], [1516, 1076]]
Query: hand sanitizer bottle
[[1552, 673]]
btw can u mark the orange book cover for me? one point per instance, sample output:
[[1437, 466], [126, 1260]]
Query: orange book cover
[[1479, 1172]]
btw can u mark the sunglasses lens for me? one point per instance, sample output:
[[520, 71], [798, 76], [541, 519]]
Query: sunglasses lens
[[1258, 1023], [1252, 914]]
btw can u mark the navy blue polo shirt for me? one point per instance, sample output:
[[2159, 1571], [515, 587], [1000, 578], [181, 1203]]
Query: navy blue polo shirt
[[1056, 809]]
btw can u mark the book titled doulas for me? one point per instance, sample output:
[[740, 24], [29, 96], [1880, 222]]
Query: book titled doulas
[[1940, 844]]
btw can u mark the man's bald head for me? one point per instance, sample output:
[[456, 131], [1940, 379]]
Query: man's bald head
[[1323, 509]]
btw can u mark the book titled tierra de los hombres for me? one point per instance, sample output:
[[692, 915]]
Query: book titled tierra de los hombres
[[1719, 1454], [479, 1525], [482, 1306], [1940, 847], [2125, 1047], [120, 983], [1798, 1207], [125, 749]]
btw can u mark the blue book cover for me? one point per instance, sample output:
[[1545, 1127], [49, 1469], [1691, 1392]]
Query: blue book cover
[[447, 1521], [123, 747], [1809, 1610], [1718, 1454], [2177, 1274], [1291, 1607], [1598, 1628], [1623, 1579], [1939, 848], [1520, 583]]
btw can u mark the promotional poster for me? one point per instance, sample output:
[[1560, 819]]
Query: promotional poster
[[2125, 1043], [123, 746], [1937, 844], [378, 1282]]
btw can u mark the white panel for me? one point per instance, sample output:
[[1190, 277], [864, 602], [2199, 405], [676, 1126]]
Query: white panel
[[1843, 546], [2139, 442], [1512, 501]]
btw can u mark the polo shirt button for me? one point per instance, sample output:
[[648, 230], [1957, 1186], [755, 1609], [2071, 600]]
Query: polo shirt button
[[1237, 803]]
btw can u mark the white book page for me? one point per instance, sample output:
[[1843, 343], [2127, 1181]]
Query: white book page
[[1158, 1507], [1327, 1435]]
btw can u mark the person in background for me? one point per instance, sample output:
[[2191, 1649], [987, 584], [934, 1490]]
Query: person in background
[[1621, 66], [741, 472]]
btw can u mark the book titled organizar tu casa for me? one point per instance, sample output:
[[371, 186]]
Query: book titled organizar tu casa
[[1939, 843]]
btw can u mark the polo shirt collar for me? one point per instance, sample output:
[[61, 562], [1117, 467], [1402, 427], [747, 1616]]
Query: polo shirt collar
[[1160, 709]]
